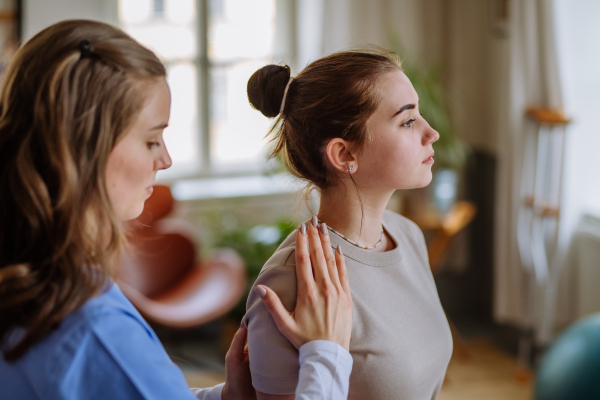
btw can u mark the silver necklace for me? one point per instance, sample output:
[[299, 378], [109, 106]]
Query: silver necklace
[[355, 243]]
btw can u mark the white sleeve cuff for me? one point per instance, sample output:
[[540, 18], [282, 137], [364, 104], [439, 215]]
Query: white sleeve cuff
[[213, 393], [317, 347], [325, 369]]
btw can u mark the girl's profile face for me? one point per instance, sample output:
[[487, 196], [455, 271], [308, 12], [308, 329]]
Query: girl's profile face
[[139, 155], [399, 155]]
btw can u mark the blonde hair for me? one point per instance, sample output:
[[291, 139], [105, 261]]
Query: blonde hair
[[67, 97]]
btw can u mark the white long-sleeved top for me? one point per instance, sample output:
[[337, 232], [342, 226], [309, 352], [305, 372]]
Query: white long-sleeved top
[[324, 373]]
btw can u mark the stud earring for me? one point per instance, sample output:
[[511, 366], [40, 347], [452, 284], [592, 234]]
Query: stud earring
[[350, 168]]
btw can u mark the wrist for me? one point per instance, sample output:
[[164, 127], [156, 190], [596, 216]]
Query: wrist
[[316, 347], [225, 392]]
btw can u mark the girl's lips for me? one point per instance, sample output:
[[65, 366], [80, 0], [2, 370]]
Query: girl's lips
[[429, 159]]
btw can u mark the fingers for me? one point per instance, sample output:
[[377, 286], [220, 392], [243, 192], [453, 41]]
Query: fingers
[[340, 261], [285, 323], [328, 253], [303, 266], [319, 264], [235, 354]]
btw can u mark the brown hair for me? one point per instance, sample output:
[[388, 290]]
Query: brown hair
[[332, 97], [67, 96]]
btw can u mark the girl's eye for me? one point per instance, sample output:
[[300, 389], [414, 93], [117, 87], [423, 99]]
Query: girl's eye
[[408, 123], [153, 144]]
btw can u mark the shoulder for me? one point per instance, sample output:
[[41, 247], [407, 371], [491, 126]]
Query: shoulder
[[401, 226], [273, 359], [396, 220], [284, 255], [104, 341], [279, 274], [99, 314], [406, 233]]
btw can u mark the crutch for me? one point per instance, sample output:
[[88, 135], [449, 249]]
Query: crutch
[[538, 226]]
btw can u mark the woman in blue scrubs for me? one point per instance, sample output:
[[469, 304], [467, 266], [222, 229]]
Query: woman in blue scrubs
[[82, 111]]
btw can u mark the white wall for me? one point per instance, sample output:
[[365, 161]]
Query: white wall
[[38, 14], [579, 52]]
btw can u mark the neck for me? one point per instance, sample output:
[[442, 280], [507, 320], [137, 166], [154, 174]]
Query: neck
[[341, 210]]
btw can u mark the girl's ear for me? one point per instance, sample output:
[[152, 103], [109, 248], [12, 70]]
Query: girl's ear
[[339, 155]]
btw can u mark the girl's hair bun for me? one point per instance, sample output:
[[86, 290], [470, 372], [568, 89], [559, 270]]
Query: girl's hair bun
[[266, 87]]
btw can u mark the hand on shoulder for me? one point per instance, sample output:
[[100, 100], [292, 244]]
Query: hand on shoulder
[[324, 303]]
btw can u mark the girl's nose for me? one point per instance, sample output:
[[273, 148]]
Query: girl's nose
[[164, 160], [430, 135]]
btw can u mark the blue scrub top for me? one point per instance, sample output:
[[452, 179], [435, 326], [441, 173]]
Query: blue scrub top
[[104, 350]]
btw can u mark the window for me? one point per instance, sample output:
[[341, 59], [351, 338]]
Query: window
[[210, 48]]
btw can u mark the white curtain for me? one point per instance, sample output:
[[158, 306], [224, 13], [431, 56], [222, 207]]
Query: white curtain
[[533, 79], [327, 26]]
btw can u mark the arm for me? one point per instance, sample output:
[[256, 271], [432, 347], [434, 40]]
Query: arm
[[238, 382], [323, 313], [319, 326], [324, 373]]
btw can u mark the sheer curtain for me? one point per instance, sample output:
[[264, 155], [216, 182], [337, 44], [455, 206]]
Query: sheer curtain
[[533, 78], [327, 26]]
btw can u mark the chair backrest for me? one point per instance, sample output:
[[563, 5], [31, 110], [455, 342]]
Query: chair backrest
[[156, 259], [153, 264], [158, 205]]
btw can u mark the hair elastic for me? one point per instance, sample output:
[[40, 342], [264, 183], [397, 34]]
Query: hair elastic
[[285, 95], [86, 48]]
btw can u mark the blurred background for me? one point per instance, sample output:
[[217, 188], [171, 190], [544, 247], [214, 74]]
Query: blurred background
[[512, 217]]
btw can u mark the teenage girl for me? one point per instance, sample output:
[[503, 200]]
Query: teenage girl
[[349, 125], [82, 111]]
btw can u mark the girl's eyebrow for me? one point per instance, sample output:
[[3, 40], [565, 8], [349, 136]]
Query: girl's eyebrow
[[404, 107], [160, 126]]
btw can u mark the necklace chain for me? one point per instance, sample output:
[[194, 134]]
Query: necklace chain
[[356, 243]]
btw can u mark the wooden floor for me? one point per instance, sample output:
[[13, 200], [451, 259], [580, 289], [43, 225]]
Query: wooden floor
[[487, 374], [202, 379]]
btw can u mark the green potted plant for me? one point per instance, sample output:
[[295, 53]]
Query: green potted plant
[[254, 243]]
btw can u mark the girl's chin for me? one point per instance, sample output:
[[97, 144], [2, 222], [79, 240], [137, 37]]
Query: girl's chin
[[131, 213], [424, 181]]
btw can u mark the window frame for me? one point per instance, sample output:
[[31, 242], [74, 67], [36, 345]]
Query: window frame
[[284, 49]]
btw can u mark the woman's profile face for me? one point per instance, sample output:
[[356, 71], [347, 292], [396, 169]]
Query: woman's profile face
[[399, 155], [139, 155]]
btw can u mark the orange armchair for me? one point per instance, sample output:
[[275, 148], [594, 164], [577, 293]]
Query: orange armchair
[[160, 275]]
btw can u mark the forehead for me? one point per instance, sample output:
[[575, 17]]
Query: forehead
[[396, 91], [157, 106], [158, 101]]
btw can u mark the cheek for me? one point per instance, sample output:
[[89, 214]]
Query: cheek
[[114, 175], [391, 155], [395, 163], [125, 179]]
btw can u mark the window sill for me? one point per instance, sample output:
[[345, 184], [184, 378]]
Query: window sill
[[230, 187]]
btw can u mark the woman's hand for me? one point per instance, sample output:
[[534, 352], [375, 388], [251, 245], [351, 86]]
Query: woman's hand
[[324, 304], [238, 382]]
